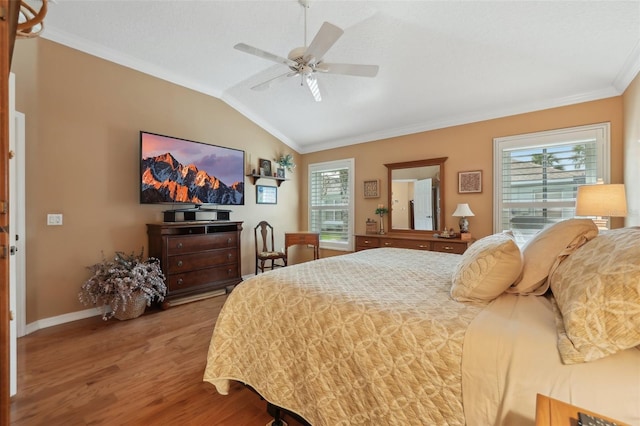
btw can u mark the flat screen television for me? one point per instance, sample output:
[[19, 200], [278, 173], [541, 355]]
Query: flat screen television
[[180, 171]]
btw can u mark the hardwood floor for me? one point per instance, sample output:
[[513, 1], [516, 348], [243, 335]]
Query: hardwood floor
[[146, 371]]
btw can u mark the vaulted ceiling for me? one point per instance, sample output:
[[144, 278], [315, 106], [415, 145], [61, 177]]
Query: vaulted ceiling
[[442, 63]]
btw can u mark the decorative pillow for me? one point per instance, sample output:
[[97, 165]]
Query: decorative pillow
[[545, 251], [597, 290], [487, 269]]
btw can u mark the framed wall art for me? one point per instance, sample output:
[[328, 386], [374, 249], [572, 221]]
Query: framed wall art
[[372, 188], [470, 182], [266, 194]]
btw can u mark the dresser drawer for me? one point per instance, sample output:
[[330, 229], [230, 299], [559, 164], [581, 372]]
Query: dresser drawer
[[412, 244], [196, 243], [449, 247], [176, 282], [367, 242], [405, 243], [200, 260], [391, 242]]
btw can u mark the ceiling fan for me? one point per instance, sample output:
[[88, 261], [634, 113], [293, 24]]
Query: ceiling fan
[[306, 62]]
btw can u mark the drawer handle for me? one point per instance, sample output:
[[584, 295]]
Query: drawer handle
[[229, 271], [387, 243], [179, 262], [422, 246], [180, 281], [229, 256], [367, 242], [447, 248], [229, 241], [179, 245]]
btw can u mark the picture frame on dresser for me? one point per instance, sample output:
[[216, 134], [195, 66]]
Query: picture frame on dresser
[[470, 182]]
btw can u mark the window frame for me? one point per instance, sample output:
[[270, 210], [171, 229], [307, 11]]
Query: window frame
[[349, 164], [601, 132]]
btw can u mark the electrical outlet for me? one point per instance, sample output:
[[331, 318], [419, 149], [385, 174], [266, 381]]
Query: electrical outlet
[[54, 219]]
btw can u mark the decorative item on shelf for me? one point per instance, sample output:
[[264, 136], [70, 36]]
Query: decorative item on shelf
[[265, 167], [280, 173], [286, 162], [372, 226], [121, 282], [381, 211], [602, 201], [463, 211]]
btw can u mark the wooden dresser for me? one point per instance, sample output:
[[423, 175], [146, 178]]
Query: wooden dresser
[[412, 241], [196, 257]]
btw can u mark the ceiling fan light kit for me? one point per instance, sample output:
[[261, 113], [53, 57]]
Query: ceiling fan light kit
[[307, 61]]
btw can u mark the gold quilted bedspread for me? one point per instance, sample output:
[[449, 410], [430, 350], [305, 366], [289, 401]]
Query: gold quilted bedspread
[[366, 338]]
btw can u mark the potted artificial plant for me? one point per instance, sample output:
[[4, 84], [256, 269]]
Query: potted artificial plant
[[286, 162], [127, 284]]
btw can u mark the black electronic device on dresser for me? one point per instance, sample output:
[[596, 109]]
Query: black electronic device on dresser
[[197, 258]]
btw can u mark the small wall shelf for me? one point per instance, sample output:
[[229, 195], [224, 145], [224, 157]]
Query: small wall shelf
[[255, 177]]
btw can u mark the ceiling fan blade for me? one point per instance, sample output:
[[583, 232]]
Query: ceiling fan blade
[[348, 69], [264, 54], [269, 83], [322, 42], [312, 84]]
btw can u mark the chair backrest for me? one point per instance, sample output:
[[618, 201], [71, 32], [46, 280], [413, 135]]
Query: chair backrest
[[265, 231]]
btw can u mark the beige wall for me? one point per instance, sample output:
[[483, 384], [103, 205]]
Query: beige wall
[[83, 118], [631, 100], [468, 147]]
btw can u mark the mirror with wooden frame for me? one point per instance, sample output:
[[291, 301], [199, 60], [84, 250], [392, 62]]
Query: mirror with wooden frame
[[416, 195]]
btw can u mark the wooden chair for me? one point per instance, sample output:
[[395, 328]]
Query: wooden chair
[[264, 252]]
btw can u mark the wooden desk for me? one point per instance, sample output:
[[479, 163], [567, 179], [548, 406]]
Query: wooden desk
[[306, 238], [551, 412]]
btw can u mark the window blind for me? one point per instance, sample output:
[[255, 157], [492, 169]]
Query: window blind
[[537, 176], [331, 203]]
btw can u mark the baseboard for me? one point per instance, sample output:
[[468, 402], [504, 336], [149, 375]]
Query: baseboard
[[72, 316], [62, 319]]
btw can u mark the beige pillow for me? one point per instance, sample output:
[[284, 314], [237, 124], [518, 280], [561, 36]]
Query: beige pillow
[[487, 269], [597, 290], [547, 248]]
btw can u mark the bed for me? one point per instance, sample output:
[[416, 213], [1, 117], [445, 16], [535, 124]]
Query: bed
[[398, 336]]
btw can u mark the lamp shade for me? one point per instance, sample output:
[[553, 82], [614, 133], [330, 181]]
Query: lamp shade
[[463, 210], [601, 200]]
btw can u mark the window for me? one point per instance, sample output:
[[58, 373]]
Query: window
[[331, 203], [537, 175]]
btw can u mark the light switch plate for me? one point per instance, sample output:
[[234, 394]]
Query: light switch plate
[[54, 219]]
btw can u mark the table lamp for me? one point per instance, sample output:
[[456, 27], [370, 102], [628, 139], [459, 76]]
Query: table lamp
[[463, 211], [602, 201]]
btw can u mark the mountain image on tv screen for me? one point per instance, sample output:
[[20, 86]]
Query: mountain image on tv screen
[[181, 171]]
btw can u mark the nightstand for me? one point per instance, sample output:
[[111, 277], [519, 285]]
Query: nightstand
[[551, 412]]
